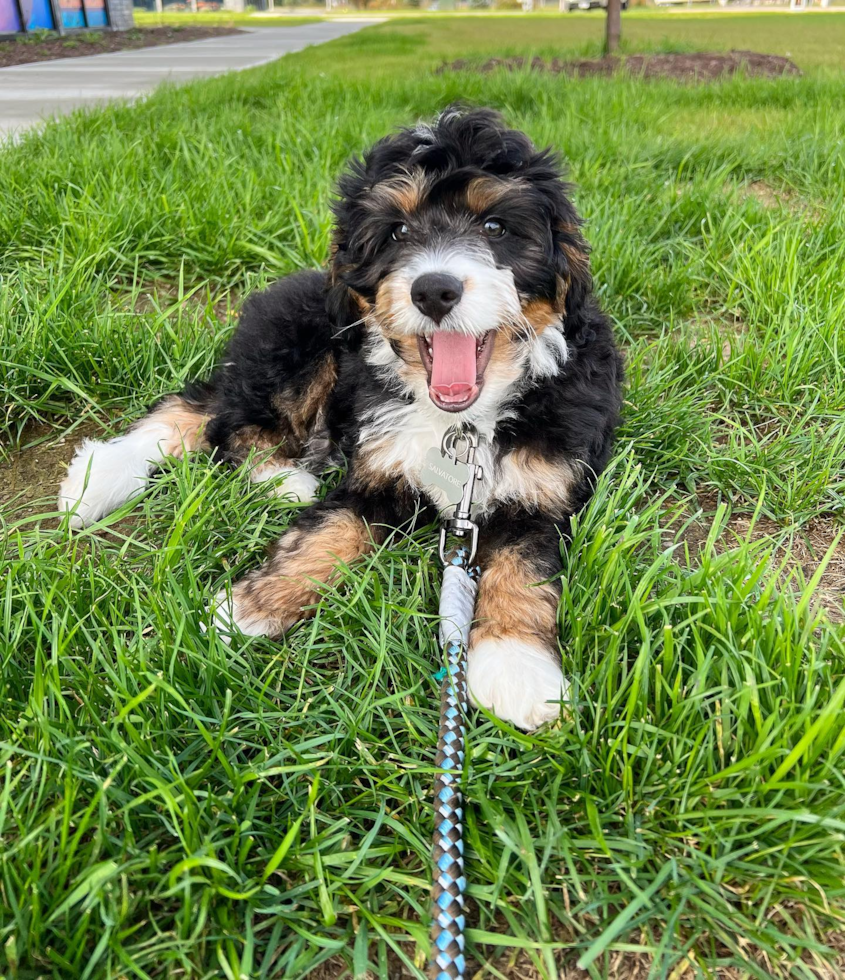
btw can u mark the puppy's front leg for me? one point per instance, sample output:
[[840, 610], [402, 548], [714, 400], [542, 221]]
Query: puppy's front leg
[[271, 599], [513, 664]]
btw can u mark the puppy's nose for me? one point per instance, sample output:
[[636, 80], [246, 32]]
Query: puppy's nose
[[435, 293]]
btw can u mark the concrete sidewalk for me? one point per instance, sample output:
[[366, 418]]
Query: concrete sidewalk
[[29, 93]]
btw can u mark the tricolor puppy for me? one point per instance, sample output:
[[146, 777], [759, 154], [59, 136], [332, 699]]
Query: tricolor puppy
[[458, 290]]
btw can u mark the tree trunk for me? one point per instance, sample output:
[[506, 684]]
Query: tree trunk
[[614, 26]]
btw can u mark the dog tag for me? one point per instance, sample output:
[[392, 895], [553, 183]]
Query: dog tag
[[448, 475]]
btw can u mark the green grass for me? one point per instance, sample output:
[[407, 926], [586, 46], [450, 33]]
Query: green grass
[[221, 18], [173, 807], [817, 43]]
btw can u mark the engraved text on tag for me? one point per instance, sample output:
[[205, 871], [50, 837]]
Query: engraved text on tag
[[446, 474]]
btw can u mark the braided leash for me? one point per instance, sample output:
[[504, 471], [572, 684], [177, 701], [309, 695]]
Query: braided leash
[[449, 885], [457, 603]]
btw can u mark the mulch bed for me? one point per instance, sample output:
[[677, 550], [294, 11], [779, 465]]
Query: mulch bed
[[26, 49], [699, 66]]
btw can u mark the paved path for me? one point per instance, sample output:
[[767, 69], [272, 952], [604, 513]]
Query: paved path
[[29, 93]]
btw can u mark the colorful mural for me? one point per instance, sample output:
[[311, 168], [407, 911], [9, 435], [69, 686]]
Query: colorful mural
[[37, 13], [95, 13], [10, 22], [72, 14]]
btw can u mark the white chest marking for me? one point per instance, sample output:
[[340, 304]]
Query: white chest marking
[[399, 438]]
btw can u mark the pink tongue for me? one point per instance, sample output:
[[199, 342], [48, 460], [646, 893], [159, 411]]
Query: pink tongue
[[453, 367]]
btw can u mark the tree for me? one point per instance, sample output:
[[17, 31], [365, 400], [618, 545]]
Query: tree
[[614, 26]]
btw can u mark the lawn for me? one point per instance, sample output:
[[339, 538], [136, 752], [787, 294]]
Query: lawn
[[149, 18], [171, 807]]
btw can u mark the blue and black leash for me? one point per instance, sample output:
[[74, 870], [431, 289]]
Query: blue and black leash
[[449, 883], [457, 602]]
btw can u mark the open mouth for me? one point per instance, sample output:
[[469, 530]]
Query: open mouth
[[455, 364]]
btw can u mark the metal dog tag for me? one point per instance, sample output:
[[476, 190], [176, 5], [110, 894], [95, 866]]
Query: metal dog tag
[[447, 474]]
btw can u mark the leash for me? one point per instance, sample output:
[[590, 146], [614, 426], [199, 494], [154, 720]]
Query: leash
[[454, 470]]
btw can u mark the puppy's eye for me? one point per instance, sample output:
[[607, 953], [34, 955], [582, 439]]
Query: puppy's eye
[[493, 228], [400, 233]]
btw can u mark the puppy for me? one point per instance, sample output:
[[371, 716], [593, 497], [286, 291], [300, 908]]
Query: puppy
[[458, 291]]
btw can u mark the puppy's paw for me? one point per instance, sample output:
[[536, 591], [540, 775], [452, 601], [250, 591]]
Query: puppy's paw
[[234, 613], [288, 481], [98, 480], [72, 496], [300, 485], [519, 681]]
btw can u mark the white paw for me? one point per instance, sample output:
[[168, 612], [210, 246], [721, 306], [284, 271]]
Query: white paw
[[101, 477], [289, 481], [518, 681], [231, 616]]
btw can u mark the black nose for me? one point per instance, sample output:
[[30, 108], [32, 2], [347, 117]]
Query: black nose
[[436, 293]]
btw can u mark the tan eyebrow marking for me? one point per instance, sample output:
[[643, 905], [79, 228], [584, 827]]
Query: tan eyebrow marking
[[406, 192], [483, 193]]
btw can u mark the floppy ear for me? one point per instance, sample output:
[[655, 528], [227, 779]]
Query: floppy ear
[[572, 264], [346, 313], [344, 306], [570, 256], [352, 270]]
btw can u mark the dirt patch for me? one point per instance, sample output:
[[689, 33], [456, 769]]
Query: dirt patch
[[804, 548], [30, 476], [159, 294], [779, 198], [766, 194], [730, 327], [35, 47], [699, 66], [799, 548], [517, 965]]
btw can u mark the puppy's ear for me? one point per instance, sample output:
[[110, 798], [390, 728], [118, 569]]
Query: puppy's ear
[[572, 266], [346, 310], [571, 254], [570, 257]]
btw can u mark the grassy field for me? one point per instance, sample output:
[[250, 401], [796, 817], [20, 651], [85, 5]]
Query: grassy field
[[149, 18], [818, 36], [171, 807]]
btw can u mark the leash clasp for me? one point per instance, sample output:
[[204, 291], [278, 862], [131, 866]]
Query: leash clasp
[[460, 444]]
